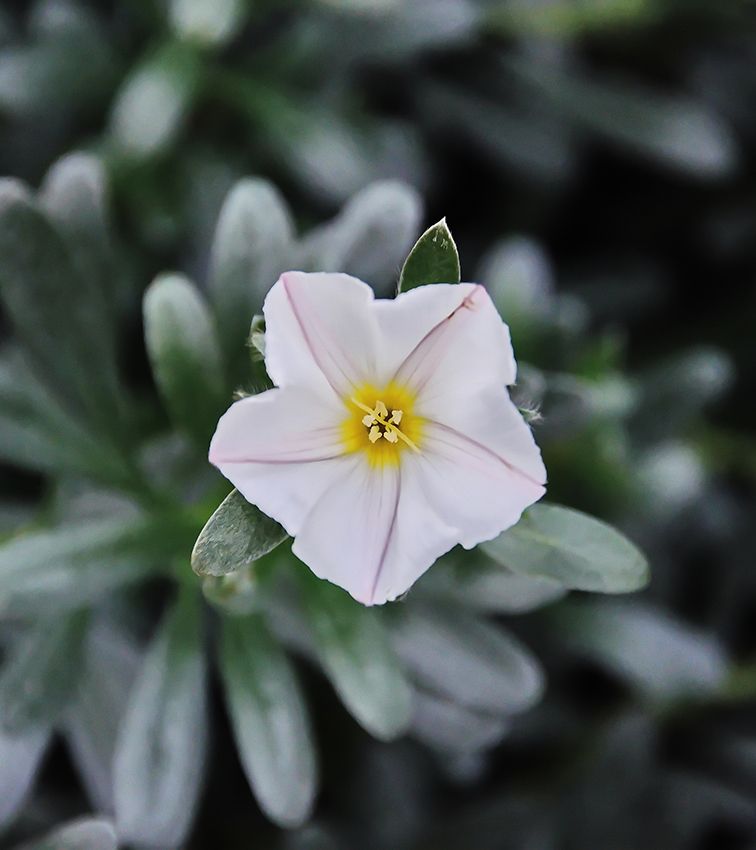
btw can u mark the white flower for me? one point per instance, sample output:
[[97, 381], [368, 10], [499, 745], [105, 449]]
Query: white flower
[[390, 435]]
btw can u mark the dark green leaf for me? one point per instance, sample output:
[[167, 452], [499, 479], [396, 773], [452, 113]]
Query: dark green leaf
[[467, 660], [60, 317], [237, 534], [434, 259], [40, 675], [160, 752], [252, 245], [84, 834], [185, 355], [270, 721], [354, 650], [20, 758], [577, 550]]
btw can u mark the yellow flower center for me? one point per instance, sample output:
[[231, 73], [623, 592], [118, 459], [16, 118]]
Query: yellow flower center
[[381, 423]]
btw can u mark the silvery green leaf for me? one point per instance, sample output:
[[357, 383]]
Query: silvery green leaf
[[83, 834], [93, 718], [39, 677], [451, 728], [433, 259], [184, 350], [207, 22], [270, 720], [38, 433], [153, 102], [661, 656], [44, 77], [20, 757], [672, 476], [467, 660], [372, 235], [74, 565], [519, 278], [74, 195], [523, 138], [674, 130], [235, 536], [577, 550], [252, 246], [160, 751], [354, 650], [682, 387], [60, 317], [488, 587]]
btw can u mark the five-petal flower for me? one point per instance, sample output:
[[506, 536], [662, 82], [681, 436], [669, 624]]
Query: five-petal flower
[[390, 435]]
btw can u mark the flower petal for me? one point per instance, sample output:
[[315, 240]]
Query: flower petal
[[372, 532], [320, 332], [481, 467], [444, 336], [281, 449]]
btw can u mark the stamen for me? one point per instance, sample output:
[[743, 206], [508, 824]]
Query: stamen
[[396, 416], [368, 420], [381, 409], [382, 420], [375, 434], [391, 436]]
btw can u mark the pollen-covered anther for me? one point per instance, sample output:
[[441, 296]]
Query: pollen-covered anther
[[378, 424]]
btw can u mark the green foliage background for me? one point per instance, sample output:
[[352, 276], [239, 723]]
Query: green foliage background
[[594, 160]]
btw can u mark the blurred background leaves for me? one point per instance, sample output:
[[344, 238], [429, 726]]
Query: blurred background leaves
[[595, 161]]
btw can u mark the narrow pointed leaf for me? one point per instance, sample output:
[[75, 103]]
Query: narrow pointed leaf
[[355, 652], [160, 752], [270, 721], [40, 675], [235, 536], [20, 758], [577, 550], [467, 660], [185, 355], [434, 259]]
